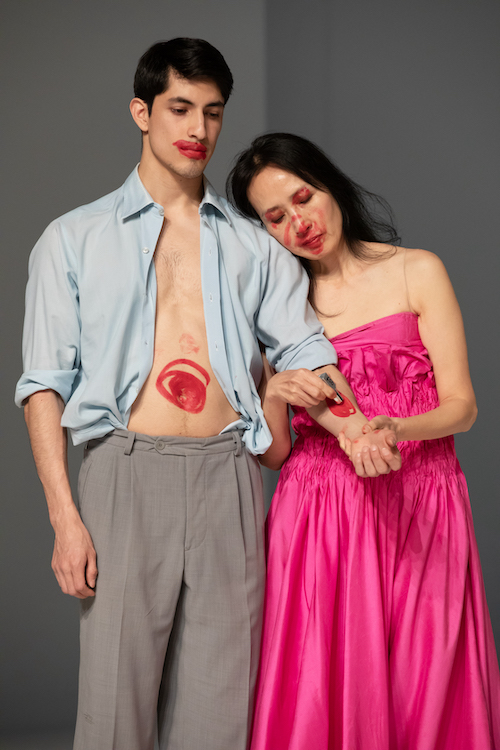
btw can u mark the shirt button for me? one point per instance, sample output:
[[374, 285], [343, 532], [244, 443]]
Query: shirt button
[[210, 298], [161, 212], [145, 250]]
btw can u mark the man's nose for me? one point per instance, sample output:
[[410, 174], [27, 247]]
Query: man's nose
[[197, 126]]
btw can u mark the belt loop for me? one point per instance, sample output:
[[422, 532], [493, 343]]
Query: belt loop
[[129, 444], [237, 442]]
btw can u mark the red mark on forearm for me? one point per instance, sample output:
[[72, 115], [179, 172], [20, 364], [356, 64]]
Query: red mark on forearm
[[341, 410], [183, 388], [188, 344]]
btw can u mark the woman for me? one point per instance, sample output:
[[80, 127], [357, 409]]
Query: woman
[[377, 633]]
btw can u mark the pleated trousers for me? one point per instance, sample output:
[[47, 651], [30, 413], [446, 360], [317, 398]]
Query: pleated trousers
[[170, 643]]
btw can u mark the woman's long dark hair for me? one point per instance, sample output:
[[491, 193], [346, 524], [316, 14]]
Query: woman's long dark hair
[[362, 212]]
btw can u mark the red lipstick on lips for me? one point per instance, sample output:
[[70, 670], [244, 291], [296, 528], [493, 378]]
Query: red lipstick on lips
[[191, 150], [312, 242]]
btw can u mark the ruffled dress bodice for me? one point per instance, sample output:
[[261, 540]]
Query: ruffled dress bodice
[[389, 371]]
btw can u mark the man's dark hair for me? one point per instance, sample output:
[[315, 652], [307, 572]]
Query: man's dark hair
[[193, 59]]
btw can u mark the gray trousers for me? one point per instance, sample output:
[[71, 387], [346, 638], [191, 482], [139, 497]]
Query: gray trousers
[[170, 643]]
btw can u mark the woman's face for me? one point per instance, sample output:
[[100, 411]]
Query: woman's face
[[305, 220]]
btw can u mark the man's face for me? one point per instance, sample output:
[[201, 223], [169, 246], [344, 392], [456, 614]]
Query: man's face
[[181, 132]]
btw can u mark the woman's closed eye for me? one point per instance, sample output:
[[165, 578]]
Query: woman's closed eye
[[302, 196], [274, 218]]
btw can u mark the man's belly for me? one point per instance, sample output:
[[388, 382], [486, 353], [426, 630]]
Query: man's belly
[[181, 395]]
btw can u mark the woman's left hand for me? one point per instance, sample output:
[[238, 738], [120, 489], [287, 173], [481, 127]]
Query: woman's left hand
[[382, 422], [355, 450]]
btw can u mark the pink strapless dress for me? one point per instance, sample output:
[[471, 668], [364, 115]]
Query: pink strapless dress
[[377, 634]]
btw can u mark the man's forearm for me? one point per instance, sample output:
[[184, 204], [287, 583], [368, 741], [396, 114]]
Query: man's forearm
[[49, 445], [74, 557]]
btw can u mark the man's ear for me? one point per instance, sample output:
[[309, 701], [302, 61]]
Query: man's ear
[[140, 114]]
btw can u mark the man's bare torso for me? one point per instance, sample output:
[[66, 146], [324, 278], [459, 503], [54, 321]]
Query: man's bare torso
[[181, 395]]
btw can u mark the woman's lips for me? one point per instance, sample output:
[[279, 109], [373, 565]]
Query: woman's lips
[[191, 150], [313, 242]]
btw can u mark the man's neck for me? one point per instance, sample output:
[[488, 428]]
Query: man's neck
[[168, 189]]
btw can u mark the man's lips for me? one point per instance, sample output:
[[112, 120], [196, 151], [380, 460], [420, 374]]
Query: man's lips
[[192, 150]]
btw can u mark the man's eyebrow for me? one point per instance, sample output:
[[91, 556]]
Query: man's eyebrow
[[181, 100]]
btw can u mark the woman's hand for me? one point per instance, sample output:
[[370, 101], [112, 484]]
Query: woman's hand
[[381, 422], [375, 452]]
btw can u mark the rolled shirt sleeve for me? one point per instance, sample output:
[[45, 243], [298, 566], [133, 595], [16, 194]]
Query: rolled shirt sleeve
[[51, 336], [286, 322]]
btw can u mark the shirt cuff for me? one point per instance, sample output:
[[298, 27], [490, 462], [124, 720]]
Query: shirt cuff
[[315, 352], [60, 381]]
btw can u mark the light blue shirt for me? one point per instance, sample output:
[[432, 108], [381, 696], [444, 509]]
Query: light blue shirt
[[91, 301]]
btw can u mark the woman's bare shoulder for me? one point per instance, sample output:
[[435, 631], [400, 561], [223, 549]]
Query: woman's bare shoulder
[[423, 265], [426, 276], [416, 258]]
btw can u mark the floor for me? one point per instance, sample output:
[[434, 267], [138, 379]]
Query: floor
[[57, 741], [38, 742]]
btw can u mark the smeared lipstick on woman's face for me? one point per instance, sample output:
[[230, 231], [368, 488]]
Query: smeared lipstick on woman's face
[[191, 150], [303, 218], [301, 195], [305, 229], [305, 234]]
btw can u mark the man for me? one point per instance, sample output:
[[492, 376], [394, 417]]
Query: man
[[144, 311]]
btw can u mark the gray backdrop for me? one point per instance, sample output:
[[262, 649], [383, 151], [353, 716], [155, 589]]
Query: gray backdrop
[[403, 96]]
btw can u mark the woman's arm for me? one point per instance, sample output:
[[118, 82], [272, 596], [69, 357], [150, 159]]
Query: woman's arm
[[372, 454], [442, 333], [276, 415]]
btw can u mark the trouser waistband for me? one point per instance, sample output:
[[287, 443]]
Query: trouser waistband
[[173, 445]]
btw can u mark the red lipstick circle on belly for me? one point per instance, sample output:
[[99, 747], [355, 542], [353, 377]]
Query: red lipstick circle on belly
[[182, 388]]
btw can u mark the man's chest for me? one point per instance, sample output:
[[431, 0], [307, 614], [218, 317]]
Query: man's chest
[[183, 266], [178, 268]]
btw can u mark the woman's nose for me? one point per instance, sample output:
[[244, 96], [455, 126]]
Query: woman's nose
[[300, 225]]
